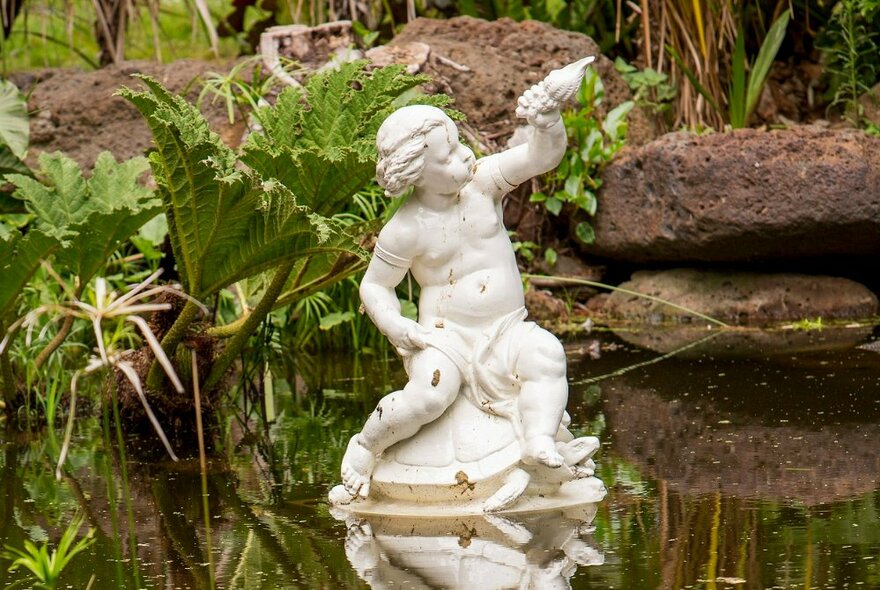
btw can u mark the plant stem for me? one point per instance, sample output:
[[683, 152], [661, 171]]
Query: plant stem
[[230, 329], [171, 340], [237, 342], [575, 281], [54, 343]]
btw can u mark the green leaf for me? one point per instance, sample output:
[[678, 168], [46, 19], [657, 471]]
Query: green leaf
[[737, 92], [14, 126], [550, 256], [766, 55], [20, 256], [573, 185], [331, 320], [11, 164], [555, 8], [624, 68], [615, 125], [584, 232], [537, 197], [554, 205]]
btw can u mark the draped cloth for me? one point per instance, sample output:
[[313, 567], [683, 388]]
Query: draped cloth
[[486, 360]]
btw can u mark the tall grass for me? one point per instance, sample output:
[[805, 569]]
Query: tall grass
[[55, 33]]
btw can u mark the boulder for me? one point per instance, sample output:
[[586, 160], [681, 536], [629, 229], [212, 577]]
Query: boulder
[[77, 112], [486, 65], [740, 298], [746, 195]]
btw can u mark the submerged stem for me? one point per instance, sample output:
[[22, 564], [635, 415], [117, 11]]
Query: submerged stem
[[237, 342], [171, 340]]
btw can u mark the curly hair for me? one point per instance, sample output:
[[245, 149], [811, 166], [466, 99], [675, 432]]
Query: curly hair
[[401, 146]]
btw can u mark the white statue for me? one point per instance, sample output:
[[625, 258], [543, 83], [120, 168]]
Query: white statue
[[485, 403]]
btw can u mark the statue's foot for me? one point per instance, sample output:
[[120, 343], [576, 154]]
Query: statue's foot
[[339, 496], [357, 468], [514, 486], [541, 449]]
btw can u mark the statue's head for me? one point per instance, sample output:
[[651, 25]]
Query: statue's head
[[418, 146]]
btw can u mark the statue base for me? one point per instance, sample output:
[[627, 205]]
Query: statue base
[[468, 462]]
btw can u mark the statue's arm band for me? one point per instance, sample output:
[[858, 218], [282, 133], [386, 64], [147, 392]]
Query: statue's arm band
[[390, 258], [498, 178]]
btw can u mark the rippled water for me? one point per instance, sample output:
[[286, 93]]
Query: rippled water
[[722, 472]]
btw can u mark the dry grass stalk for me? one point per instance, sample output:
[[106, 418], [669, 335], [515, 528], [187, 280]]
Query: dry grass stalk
[[703, 34]]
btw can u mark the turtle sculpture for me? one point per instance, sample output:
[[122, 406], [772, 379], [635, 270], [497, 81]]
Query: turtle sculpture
[[481, 424]]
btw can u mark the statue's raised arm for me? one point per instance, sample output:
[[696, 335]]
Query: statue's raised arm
[[539, 106]]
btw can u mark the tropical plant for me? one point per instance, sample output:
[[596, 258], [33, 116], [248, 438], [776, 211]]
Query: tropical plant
[[268, 209], [592, 144], [46, 568], [851, 49], [746, 87], [746, 81], [79, 221], [651, 89]]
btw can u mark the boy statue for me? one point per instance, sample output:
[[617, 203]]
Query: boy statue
[[471, 337]]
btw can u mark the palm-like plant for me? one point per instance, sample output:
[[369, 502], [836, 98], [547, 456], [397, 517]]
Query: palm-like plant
[[267, 210]]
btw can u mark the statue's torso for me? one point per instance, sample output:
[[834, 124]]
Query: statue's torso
[[467, 269]]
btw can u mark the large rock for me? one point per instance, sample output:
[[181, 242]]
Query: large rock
[[77, 112], [486, 65], [742, 196], [740, 298]]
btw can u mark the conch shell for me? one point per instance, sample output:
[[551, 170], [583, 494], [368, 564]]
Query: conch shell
[[562, 84]]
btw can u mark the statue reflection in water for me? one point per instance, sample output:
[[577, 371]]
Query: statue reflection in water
[[534, 551]]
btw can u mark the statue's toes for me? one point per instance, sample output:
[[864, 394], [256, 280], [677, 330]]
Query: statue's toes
[[550, 459]]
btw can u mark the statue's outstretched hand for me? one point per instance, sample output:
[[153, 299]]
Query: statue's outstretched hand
[[407, 336], [537, 107]]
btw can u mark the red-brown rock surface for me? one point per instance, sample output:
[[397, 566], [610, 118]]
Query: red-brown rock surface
[[502, 59], [76, 111], [742, 196]]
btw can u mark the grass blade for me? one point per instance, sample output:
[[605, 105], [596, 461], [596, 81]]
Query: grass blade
[[766, 55], [692, 77]]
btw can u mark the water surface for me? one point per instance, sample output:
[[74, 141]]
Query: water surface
[[746, 472]]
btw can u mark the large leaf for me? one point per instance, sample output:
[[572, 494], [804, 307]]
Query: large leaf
[[320, 143], [325, 185], [91, 217], [20, 256], [225, 223], [14, 126], [228, 223]]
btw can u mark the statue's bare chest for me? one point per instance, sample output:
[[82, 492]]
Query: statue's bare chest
[[464, 228]]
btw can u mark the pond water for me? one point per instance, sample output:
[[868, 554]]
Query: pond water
[[722, 472]]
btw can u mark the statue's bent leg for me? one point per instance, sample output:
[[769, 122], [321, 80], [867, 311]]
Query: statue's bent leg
[[540, 367], [434, 383]]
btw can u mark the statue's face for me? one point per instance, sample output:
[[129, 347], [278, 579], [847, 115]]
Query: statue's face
[[449, 165]]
